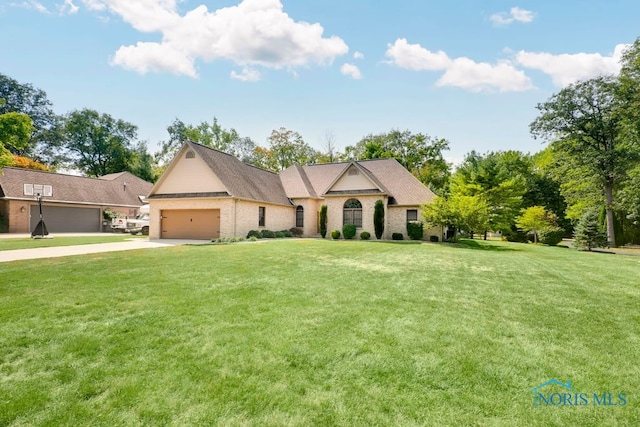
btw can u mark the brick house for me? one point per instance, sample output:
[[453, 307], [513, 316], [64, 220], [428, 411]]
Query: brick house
[[70, 203], [205, 193]]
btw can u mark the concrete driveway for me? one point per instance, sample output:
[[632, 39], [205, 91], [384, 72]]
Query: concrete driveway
[[61, 251]]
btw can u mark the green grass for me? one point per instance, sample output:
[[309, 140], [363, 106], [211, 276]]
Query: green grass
[[312, 332], [9, 244]]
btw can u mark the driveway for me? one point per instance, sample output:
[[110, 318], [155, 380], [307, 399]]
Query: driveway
[[61, 251]]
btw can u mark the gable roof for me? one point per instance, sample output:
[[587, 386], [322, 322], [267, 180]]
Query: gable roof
[[240, 179], [312, 181], [388, 175], [121, 190]]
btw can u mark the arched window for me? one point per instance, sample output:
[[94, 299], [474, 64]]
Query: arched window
[[299, 217], [352, 213], [190, 155]]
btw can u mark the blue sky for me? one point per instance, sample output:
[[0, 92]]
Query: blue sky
[[468, 71]]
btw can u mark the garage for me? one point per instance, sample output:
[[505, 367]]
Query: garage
[[201, 224], [65, 219]]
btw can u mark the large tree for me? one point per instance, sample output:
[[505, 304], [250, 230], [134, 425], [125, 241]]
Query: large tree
[[98, 144], [585, 121], [287, 148], [419, 153], [15, 131], [499, 179], [45, 139], [210, 134]]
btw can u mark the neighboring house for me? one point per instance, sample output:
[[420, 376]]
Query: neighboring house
[[205, 194], [70, 203]]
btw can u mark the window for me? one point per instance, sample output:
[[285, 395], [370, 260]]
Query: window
[[352, 213], [353, 171], [261, 216], [300, 217], [412, 215], [190, 154]]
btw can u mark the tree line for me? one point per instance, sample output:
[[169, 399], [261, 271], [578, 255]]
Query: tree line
[[588, 169]]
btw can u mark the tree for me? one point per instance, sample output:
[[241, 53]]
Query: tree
[[27, 163], [287, 148], [98, 144], [323, 221], [535, 219], [15, 131], [468, 213], [419, 153], [378, 219], [584, 120], [499, 179], [45, 139], [211, 135], [588, 234]]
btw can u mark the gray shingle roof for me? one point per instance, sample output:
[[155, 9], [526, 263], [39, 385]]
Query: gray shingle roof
[[109, 190]]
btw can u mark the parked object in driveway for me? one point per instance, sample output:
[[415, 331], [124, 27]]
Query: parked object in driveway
[[139, 224]]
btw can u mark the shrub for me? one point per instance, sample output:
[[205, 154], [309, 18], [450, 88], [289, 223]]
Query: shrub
[[515, 236], [253, 239], [323, 221], [415, 230], [434, 239], [280, 234], [267, 234], [378, 219], [349, 231], [335, 234], [296, 232], [551, 236], [365, 235], [253, 233], [397, 236]]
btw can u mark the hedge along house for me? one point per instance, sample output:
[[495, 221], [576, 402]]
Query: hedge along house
[[70, 203], [205, 193]]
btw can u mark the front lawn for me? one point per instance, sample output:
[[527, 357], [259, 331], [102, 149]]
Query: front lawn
[[13, 243], [318, 332]]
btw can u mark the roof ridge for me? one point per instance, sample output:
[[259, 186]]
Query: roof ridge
[[230, 155]]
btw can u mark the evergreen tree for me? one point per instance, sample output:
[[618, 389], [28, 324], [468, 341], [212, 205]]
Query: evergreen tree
[[323, 221], [588, 234], [378, 218]]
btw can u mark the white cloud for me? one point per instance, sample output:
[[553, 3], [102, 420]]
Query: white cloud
[[253, 33], [358, 55], [565, 69], [68, 7], [515, 15], [459, 72], [29, 4], [351, 70], [247, 75]]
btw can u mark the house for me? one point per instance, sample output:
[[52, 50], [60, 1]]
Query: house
[[70, 203], [205, 194]]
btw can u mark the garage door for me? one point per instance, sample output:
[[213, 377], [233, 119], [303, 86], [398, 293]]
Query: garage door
[[64, 219], [191, 224]]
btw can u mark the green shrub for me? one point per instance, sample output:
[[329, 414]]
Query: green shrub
[[397, 236], [296, 232], [434, 239], [253, 233], [253, 239], [365, 235], [282, 234], [415, 230], [515, 236], [323, 221], [335, 234], [267, 234], [378, 219], [551, 236], [349, 231]]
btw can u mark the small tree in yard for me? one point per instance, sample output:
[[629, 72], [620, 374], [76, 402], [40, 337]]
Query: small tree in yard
[[323, 221], [378, 218], [535, 219], [588, 234]]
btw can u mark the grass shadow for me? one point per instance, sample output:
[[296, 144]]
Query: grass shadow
[[483, 245]]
